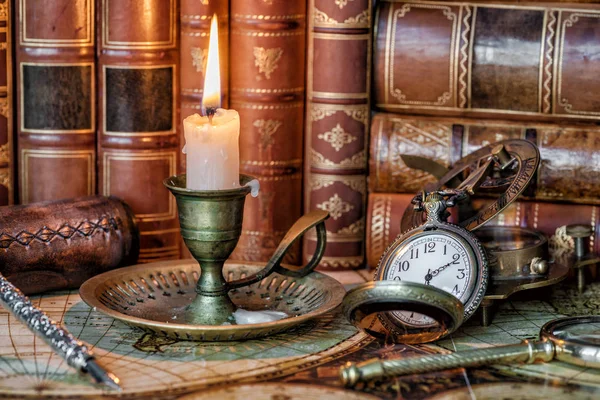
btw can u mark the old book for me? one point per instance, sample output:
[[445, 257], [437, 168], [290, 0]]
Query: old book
[[138, 147], [267, 89], [57, 245], [386, 209], [337, 123], [194, 30], [56, 104], [509, 60], [569, 170], [6, 106]]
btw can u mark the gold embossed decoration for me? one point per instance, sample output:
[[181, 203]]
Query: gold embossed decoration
[[335, 206], [337, 137], [266, 60], [4, 110], [4, 11], [199, 58], [342, 3], [5, 178], [266, 129], [4, 154]]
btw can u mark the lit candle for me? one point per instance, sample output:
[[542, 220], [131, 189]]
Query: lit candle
[[212, 140]]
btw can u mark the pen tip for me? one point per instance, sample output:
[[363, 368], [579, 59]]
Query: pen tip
[[102, 376]]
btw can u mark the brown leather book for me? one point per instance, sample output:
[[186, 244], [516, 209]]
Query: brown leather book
[[195, 16], [6, 106], [337, 123], [138, 147], [569, 170], [267, 53], [512, 60], [386, 209], [56, 99]]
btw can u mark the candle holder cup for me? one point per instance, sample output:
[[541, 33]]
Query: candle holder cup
[[211, 225]]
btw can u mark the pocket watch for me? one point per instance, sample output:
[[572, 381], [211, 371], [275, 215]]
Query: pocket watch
[[438, 254]]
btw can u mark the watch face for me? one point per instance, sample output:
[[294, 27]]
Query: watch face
[[437, 258]]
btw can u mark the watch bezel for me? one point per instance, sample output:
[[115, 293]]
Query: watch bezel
[[473, 247]]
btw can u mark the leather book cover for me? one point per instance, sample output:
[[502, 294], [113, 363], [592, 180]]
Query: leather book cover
[[138, 146], [511, 60], [337, 124], [386, 209], [568, 170], [6, 106], [195, 17], [56, 99], [267, 53]]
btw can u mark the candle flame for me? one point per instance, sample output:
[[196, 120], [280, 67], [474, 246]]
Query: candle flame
[[211, 100]]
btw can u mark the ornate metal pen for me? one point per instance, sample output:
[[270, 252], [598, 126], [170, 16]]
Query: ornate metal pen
[[73, 351]]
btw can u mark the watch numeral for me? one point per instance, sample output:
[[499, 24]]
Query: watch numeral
[[404, 266], [444, 249], [455, 258], [429, 247], [462, 272], [455, 289], [397, 278], [414, 253]]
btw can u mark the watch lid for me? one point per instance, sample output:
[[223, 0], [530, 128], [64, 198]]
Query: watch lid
[[365, 305]]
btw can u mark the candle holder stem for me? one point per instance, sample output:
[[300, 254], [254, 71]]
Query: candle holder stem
[[211, 225]]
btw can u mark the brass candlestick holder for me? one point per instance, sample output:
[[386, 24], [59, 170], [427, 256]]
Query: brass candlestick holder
[[211, 225]]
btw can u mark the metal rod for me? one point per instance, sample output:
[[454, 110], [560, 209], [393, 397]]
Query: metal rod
[[353, 374], [73, 351]]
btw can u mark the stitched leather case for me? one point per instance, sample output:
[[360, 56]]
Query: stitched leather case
[[138, 146], [337, 123], [267, 88], [525, 60], [386, 209], [566, 172], [59, 244], [56, 104]]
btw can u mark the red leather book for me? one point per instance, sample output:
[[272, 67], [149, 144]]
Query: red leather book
[[267, 53], [337, 123], [56, 99], [195, 16], [6, 106], [569, 170], [138, 147], [386, 209], [493, 59]]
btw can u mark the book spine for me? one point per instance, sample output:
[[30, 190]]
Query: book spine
[[267, 87], [138, 147], [56, 105], [565, 172], [464, 62], [6, 106], [337, 123], [386, 209], [195, 17]]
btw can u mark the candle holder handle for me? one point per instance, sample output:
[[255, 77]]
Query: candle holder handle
[[301, 226]]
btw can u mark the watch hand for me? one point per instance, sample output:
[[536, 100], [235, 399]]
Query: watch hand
[[440, 269]]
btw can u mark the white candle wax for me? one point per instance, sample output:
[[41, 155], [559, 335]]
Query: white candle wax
[[212, 149]]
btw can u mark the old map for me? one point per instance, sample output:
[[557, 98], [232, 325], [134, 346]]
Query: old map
[[148, 364], [310, 355], [522, 319]]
